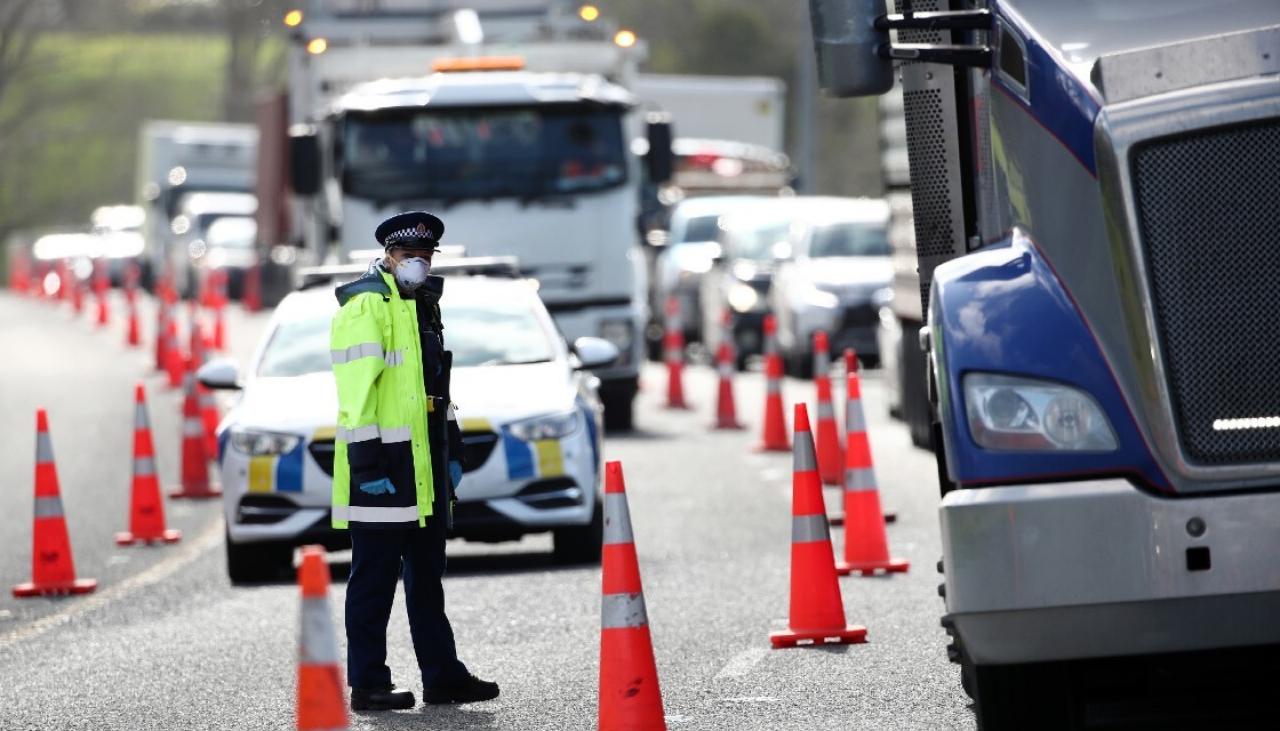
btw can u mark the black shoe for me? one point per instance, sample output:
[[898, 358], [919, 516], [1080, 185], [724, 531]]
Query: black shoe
[[381, 699], [468, 689]]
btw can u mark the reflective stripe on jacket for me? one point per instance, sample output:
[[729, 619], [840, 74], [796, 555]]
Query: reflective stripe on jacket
[[382, 408]]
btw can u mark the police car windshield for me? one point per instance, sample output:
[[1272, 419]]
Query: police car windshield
[[489, 333], [460, 154]]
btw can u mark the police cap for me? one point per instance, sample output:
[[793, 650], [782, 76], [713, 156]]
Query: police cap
[[416, 229]]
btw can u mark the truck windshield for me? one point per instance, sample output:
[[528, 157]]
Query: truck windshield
[[458, 154], [849, 239]]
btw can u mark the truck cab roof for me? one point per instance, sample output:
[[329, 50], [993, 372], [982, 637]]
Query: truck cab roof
[[484, 88]]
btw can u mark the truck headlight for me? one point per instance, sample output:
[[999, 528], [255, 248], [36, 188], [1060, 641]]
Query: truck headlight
[[555, 426], [621, 333], [263, 443], [743, 297], [1026, 414]]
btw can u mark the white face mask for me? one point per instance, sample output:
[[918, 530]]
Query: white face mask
[[411, 273]]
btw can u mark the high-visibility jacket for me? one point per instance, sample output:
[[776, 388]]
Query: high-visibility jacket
[[382, 408]]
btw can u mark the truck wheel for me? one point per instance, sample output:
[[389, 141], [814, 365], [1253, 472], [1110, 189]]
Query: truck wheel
[[580, 544], [257, 562], [619, 413]]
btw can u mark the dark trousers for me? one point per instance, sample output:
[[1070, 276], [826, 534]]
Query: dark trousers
[[376, 560]]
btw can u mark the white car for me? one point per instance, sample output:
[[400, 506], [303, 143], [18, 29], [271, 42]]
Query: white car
[[527, 406], [837, 277]]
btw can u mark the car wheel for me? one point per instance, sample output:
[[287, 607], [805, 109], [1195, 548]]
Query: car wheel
[[257, 562], [580, 543]]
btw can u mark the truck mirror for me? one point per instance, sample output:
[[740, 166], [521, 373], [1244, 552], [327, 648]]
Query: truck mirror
[[304, 160], [848, 46], [660, 159]]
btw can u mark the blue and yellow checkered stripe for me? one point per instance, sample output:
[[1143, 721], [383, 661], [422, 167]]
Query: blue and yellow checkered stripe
[[525, 460]]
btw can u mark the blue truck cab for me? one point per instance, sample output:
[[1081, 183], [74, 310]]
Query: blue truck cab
[[1096, 195]]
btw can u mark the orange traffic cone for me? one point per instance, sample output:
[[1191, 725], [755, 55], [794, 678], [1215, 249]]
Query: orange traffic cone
[[162, 327], [132, 274], [100, 287], [322, 704], [726, 365], [53, 570], [817, 611], [251, 298], [774, 438], [173, 352], [77, 295], [132, 336], [195, 462], [630, 698], [146, 509], [208, 419], [866, 548], [830, 456], [673, 353], [220, 304]]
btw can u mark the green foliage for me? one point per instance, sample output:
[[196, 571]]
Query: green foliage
[[76, 115]]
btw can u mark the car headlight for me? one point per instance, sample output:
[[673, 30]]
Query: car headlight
[[1027, 414], [263, 443], [743, 297], [555, 426]]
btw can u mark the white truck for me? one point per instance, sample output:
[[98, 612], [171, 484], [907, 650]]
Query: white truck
[[511, 120], [177, 158]]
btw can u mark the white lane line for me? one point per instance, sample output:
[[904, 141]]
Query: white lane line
[[742, 663], [184, 556]]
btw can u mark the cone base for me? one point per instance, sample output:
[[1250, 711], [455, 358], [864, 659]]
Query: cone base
[[851, 635], [728, 426], [871, 568], [182, 493], [79, 586], [838, 520], [678, 406], [126, 538]]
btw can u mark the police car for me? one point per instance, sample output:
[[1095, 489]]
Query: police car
[[528, 409]]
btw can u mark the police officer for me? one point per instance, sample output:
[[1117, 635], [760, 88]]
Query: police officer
[[396, 464]]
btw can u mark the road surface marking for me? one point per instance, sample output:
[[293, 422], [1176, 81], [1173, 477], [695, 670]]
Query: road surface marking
[[742, 663], [187, 554]]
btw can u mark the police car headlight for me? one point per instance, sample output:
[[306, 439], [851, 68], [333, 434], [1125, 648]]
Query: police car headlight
[[1026, 414], [555, 426], [263, 443], [743, 297]]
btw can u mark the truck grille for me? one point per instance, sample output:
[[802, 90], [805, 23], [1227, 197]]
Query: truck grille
[[1209, 217]]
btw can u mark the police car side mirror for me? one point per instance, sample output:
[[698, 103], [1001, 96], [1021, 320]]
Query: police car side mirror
[[595, 352], [221, 374]]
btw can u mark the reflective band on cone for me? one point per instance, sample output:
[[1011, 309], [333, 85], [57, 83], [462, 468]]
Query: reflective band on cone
[[53, 569], [322, 703], [817, 610], [146, 508], [866, 548], [630, 698]]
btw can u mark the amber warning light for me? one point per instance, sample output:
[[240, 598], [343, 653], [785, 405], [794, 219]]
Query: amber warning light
[[479, 63]]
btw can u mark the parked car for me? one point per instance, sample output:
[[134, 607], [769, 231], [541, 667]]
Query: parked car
[[838, 276], [527, 404], [689, 253]]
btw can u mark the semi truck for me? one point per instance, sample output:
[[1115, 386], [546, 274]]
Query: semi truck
[[177, 158], [510, 119], [1093, 188]]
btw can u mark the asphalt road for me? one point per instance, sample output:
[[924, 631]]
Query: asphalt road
[[167, 643]]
